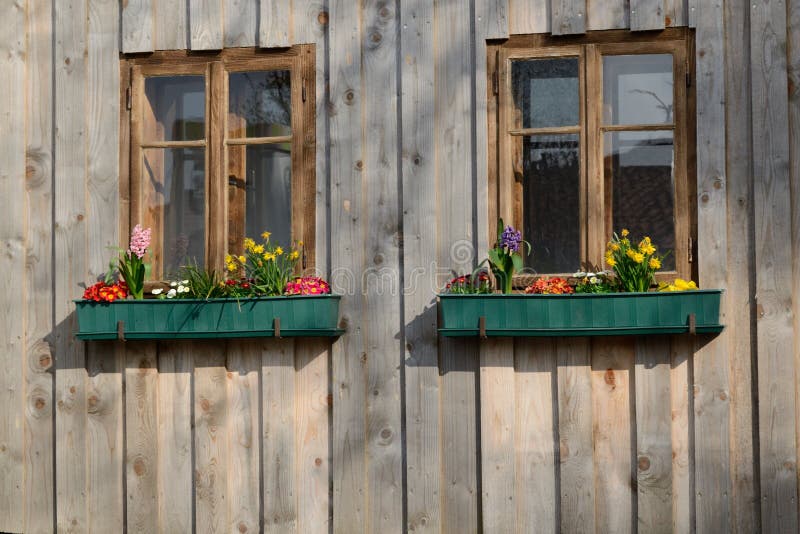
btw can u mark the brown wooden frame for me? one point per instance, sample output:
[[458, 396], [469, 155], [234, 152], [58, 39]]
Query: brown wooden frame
[[595, 217], [299, 60]]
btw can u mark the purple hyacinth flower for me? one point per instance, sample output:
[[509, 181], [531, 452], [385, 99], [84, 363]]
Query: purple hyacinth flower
[[511, 239]]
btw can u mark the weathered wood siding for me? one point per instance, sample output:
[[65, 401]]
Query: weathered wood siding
[[389, 428]]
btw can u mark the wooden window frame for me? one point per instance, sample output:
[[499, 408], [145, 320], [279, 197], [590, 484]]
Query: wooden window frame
[[220, 191], [595, 217]]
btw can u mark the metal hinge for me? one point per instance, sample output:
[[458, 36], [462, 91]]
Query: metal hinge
[[304, 90], [495, 82], [128, 98], [688, 79], [691, 250]]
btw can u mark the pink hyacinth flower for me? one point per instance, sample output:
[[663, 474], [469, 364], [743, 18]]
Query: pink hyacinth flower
[[140, 240]]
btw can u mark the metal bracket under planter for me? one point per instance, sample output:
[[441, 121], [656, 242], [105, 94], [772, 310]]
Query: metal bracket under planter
[[611, 314], [128, 320]]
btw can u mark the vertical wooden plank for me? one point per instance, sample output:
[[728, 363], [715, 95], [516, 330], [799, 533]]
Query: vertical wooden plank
[[612, 370], [71, 257], [740, 294], [241, 21], [419, 253], [491, 21], [348, 217], [278, 398], [311, 430], [676, 13], [577, 468], [244, 439], [275, 24], [647, 15], [498, 421], [459, 435], [141, 436], [693, 12], [138, 19], [380, 194], [12, 261], [171, 25], [536, 435], [793, 48], [39, 438], [711, 366], [653, 434], [773, 230], [205, 23], [681, 411], [607, 14], [528, 16], [568, 17], [175, 495], [105, 403], [210, 438]]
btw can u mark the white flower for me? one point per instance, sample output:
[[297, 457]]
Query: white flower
[[594, 280], [183, 289], [171, 293], [157, 291], [579, 274], [185, 282], [173, 284], [590, 275]]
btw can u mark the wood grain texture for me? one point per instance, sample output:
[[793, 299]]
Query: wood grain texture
[[528, 16], [498, 425], [105, 441], [419, 253], [348, 215], [653, 434], [241, 22], [681, 411], [647, 15], [460, 364], [12, 261], [568, 16], [278, 427], [312, 394], [381, 277], [175, 476], [491, 20], [244, 439], [39, 451], [211, 407], [275, 24], [676, 13], [71, 256], [141, 436], [138, 21], [536, 435], [612, 410], [711, 366], [171, 25], [773, 230], [793, 59], [740, 296], [608, 14], [576, 443], [205, 24]]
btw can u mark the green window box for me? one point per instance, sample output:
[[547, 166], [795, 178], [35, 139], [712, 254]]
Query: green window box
[[296, 316], [609, 314]]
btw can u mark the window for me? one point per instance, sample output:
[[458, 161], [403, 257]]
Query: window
[[594, 134], [221, 147]]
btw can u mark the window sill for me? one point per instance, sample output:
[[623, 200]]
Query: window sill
[[610, 314], [296, 316]]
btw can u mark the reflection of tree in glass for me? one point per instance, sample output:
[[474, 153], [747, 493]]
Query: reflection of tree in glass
[[268, 97], [547, 153], [663, 106]]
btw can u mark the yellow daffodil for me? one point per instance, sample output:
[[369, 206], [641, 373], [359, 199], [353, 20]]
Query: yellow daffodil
[[655, 263], [232, 267], [242, 259], [265, 236], [294, 255], [249, 244], [630, 253], [614, 247], [638, 257], [299, 243], [228, 258], [258, 249], [624, 232], [269, 256], [278, 251]]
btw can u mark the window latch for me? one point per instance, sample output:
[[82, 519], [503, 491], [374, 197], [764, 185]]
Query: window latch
[[691, 250], [128, 99]]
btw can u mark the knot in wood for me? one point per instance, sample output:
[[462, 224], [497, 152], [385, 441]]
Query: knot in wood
[[349, 96], [242, 527], [610, 378], [644, 463], [139, 467], [318, 461], [386, 434], [322, 18]]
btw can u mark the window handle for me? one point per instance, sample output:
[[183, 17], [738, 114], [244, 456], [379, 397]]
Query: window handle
[[236, 182]]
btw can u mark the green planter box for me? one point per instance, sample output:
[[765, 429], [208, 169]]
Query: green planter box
[[611, 314], [309, 316]]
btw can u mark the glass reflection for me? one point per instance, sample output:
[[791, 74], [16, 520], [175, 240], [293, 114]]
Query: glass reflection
[[545, 92], [176, 108], [260, 104], [638, 89]]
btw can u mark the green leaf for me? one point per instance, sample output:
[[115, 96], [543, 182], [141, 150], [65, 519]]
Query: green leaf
[[516, 261], [495, 260]]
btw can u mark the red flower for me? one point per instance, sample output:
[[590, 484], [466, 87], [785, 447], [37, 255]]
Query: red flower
[[550, 286], [307, 286]]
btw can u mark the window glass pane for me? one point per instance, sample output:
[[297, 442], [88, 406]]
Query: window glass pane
[[175, 109], [639, 167], [260, 104], [259, 193], [638, 89], [551, 188], [545, 92], [174, 207]]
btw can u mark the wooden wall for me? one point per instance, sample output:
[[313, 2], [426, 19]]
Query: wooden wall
[[390, 428]]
